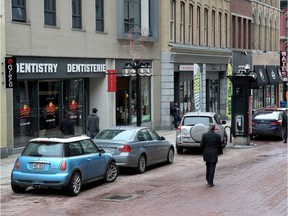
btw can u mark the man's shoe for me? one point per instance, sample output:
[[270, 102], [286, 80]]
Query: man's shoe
[[211, 185], [285, 141]]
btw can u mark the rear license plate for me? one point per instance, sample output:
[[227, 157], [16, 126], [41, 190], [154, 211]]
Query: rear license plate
[[38, 165], [186, 139]]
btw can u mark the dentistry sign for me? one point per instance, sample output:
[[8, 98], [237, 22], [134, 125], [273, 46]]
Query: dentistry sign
[[197, 88], [10, 72]]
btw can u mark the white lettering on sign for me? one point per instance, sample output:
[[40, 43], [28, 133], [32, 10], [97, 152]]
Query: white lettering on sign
[[36, 68], [85, 68], [186, 67]]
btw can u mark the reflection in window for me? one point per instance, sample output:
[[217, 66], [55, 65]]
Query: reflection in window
[[50, 12], [99, 15], [76, 14], [132, 14], [19, 10]]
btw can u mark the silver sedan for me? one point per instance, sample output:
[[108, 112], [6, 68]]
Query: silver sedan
[[136, 147]]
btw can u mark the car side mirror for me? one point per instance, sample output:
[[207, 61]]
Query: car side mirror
[[162, 138], [102, 151], [224, 122]]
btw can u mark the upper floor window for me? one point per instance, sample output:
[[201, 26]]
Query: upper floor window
[[182, 22], [172, 21], [50, 12], [99, 15], [198, 26], [19, 10], [220, 29], [190, 36], [76, 14], [225, 31], [213, 28], [132, 14]]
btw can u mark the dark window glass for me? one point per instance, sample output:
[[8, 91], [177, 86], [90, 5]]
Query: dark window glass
[[18, 10], [99, 15], [132, 14], [50, 12], [76, 14]]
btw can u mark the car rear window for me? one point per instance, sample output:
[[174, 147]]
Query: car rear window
[[39, 149], [269, 115], [115, 134], [192, 120]]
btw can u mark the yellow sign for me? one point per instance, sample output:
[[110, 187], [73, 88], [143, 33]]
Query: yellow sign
[[229, 92]]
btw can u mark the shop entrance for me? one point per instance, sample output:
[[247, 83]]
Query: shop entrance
[[122, 102]]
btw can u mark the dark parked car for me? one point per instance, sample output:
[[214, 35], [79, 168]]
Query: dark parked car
[[135, 147], [66, 163], [267, 122]]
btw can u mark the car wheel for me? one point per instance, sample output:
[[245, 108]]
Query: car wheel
[[18, 189], [179, 150], [112, 172], [141, 167], [225, 140], [75, 184], [170, 156]]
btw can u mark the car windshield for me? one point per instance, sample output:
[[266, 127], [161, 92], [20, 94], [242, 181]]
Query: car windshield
[[192, 120], [269, 115], [40, 149], [116, 134]]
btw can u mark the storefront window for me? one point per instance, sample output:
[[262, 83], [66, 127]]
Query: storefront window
[[145, 100], [186, 91], [258, 98], [270, 95]]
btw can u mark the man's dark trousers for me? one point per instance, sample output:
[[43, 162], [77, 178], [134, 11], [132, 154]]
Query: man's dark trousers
[[210, 171]]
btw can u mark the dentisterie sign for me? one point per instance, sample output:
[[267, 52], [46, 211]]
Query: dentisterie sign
[[197, 87]]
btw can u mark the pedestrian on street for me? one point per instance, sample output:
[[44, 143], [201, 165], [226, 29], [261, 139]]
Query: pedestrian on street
[[211, 147], [67, 126], [284, 126], [175, 114], [93, 124]]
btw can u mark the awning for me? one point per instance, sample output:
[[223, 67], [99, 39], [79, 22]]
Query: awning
[[262, 78], [273, 75]]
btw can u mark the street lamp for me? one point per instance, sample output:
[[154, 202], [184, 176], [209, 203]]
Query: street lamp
[[137, 69]]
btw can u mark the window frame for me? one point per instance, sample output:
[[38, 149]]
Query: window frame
[[172, 20], [76, 14], [130, 22], [50, 19], [190, 32], [99, 15], [182, 22], [20, 7]]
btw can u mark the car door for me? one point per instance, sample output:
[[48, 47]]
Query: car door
[[161, 147], [96, 162], [146, 142]]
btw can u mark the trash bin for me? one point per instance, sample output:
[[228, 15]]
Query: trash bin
[[282, 103]]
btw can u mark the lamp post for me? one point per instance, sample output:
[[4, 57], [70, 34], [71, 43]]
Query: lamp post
[[137, 69]]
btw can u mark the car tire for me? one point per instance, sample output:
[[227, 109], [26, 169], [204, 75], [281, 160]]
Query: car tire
[[170, 156], [112, 172], [225, 140], [18, 189], [141, 167], [75, 184], [179, 150], [197, 131]]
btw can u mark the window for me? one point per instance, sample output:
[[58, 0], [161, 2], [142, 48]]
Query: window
[[205, 27], [89, 147], [225, 43], [132, 14], [76, 14], [190, 36], [50, 12], [182, 22], [213, 29], [19, 10], [172, 21], [99, 15], [198, 27], [219, 30]]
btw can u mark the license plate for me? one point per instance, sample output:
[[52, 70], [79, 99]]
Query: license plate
[[109, 150], [186, 139], [38, 165]]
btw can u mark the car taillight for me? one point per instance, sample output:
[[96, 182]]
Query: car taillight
[[17, 164], [63, 166], [125, 148], [276, 123], [179, 128], [216, 129]]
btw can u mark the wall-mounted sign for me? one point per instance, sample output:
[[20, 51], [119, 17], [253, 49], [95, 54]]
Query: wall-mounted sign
[[197, 87], [111, 80], [10, 72], [283, 63], [186, 67]]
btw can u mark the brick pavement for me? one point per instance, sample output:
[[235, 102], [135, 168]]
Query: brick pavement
[[248, 181]]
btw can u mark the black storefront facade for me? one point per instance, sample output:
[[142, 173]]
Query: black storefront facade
[[47, 89], [268, 80]]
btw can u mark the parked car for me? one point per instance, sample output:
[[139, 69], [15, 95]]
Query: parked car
[[267, 122], [193, 125], [135, 147], [65, 163]]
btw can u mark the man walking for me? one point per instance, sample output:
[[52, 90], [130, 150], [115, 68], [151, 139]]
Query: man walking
[[284, 126], [175, 113], [67, 126], [211, 147], [93, 124]]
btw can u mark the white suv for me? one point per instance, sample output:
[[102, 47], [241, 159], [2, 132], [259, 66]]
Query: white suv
[[193, 125]]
